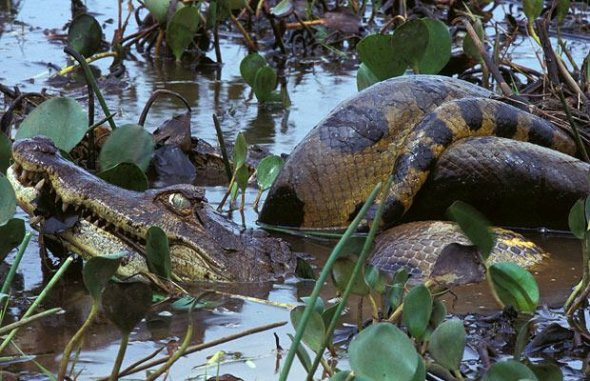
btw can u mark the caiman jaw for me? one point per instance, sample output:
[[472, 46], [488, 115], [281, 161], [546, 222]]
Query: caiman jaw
[[100, 228]]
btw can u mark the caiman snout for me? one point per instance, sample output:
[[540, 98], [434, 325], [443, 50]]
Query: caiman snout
[[32, 150]]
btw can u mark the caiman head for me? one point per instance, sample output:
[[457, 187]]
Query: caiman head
[[109, 219]]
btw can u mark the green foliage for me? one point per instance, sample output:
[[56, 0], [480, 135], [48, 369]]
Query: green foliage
[[61, 119], [249, 67], [159, 9], [85, 35], [12, 233], [474, 225], [126, 175], [509, 370], [262, 78], [417, 310], [267, 171], [282, 9], [577, 219], [158, 252], [127, 144], [514, 286], [469, 46], [372, 350], [125, 304], [181, 30], [315, 330], [563, 7], [447, 344], [7, 200], [240, 153], [532, 8], [341, 273], [546, 372], [5, 153], [98, 271], [424, 45]]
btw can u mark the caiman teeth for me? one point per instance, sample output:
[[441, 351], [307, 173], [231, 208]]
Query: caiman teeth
[[24, 176], [56, 198], [64, 207], [40, 185]]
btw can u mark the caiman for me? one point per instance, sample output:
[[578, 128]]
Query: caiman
[[400, 126], [203, 244]]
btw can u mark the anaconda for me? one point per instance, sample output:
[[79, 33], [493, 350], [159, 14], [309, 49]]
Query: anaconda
[[401, 127]]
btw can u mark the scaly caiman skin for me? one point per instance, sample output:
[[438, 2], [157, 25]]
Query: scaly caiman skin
[[203, 245], [399, 126]]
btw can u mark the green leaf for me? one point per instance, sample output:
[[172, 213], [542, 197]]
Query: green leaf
[[126, 175], [439, 312], [249, 67], [242, 176], [563, 7], [474, 225], [282, 9], [159, 9], [447, 344], [438, 51], [417, 310], [240, 153], [181, 30], [509, 370], [375, 279], [185, 303], [85, 35], [378, 57], [319, 303], [125, 304], [547, 372], [522, 339], [315, 330], [267, 171], [410, 41], [341, 272], [12, 233], [127, 144], [469, 47], [302, 355], [5, 153], [343, 375], [264, 83], [372, 350], [515, 286], [158, 252], [7, 200], [365, 77], [98, 271], [532, 8], [577, 219], [61, 119], [328, 314]]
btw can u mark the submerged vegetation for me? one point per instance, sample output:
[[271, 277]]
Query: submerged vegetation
[[410, 333]]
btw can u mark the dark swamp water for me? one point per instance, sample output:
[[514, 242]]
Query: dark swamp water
[[315, 86]]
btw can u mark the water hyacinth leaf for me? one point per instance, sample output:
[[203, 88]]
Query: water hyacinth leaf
[[532, 8], [577, 219], [12, 233], [343, 375], [319, 303], [375, 279], [267, 171], [181, 30], [587, 208], [417, 310], [126, 175], [159, 9], [304, 270], [509, 370], [395, 294], [61, 119], [264, 83], [233, 192], [240, 153], [377, 54], [365, 77], [302, 355], [522, 339], [158, 252], [98, 271], [447, 344], [315, 330], [438, 51], [125, 304], [515, 286], [85, 35], [5, 153], [249, 67], [420, 374], [186, 303], [439, 311], [469, 47], [328, 314], [7, 200], [242, 176], [282, 9], [474, 225], [372, 350], [547, 372], [127, 144], [563, 7], [410, 41], [341, 272]]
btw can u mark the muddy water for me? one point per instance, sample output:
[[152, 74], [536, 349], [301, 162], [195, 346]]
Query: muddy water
[[314, 86]]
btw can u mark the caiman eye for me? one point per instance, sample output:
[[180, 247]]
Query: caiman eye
[[179, 203]]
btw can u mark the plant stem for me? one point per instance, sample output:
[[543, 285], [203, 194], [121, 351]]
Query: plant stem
[[25, 321], [120, 356], [16, 263], [38, 300], [322, 278], [92, 81], [75, 340], [95, 57], [222, 146]]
